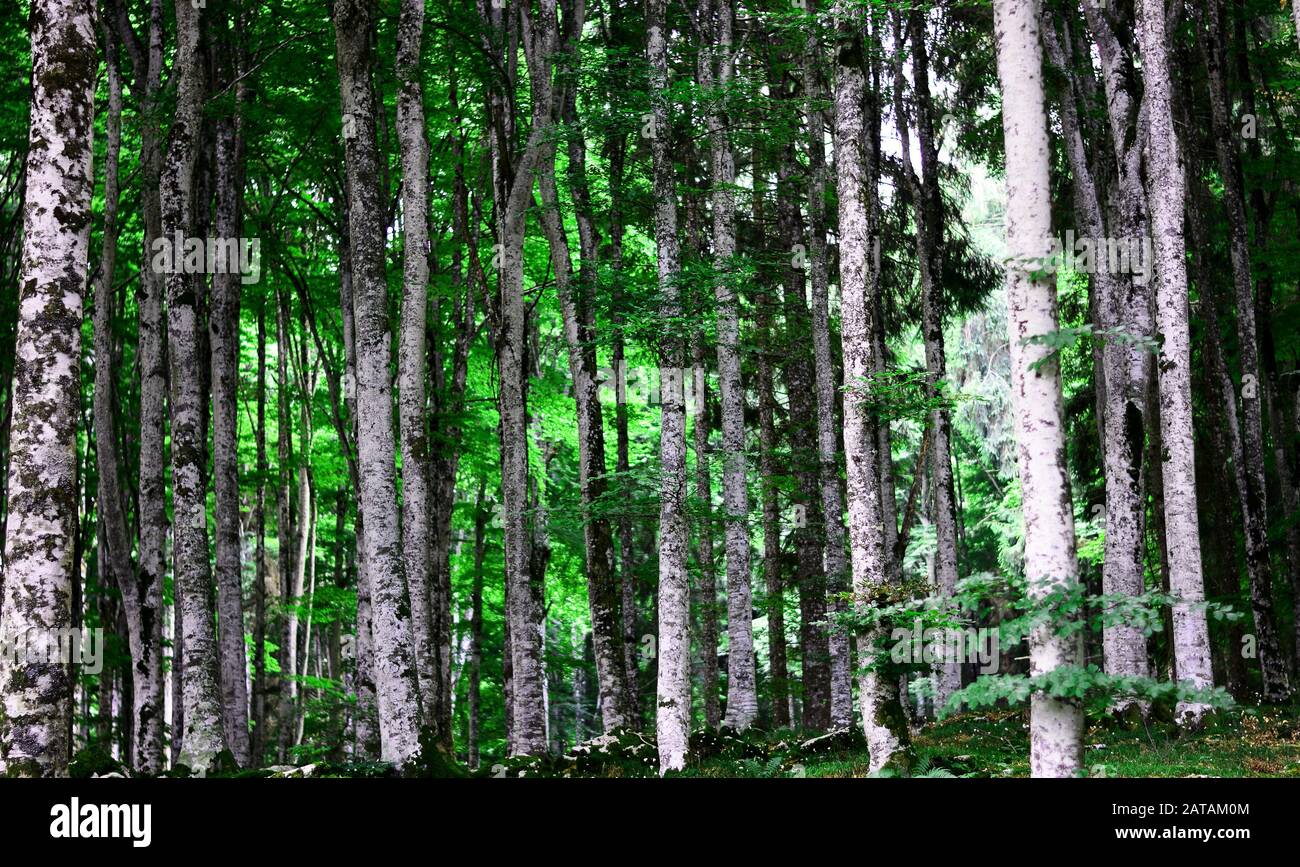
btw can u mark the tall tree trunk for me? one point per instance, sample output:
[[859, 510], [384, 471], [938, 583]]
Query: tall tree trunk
[[707, 589], [1166, 196], [776, 647], [716, 69], [575, 296], [927, 210], [834, 562], [1056, 725], [673, 706], [366, 713], [411, 348], [397, 688], [42, 493], [449, 402], [524, 619], [151, 516], [285, 533], [260, 571], [1274, 664], [882, 714], [224, 342], [473, 693], [1124, 304], [146, 724], [304, 541], [204, 734], [797, 371], [622, 465]]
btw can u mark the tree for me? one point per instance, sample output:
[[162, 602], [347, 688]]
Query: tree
[[224, 342], [716, 67], [1056, 725], [204, 735], [395, 680], [42, 493], [411, 349], [673, 705], [1165, 193], [927, 209], [882, 714], [828, 442], [576, 304], [147, 614]]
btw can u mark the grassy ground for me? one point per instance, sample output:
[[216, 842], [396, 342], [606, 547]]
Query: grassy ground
[[1241, 743], [1245, 742]]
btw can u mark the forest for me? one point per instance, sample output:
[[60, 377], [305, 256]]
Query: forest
[[634, 388]]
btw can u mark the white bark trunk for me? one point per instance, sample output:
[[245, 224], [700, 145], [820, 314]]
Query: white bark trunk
[[397, 689], [834, 560], [42, 504], [411, 349], [882, 715], [1166, 194], [673, 707], [1056, 726], [742, 694], [224, 334], [204, 729]]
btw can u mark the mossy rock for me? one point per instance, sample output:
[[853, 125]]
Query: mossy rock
[[360, 770], [622, 752], [519, 767]]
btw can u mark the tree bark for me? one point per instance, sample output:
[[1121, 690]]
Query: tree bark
[[285, 532], [797, 371], [1166, 197], [575, 297], [834, 561], [145, 729], [473, 696], [776, 647], [146, 62], [622, 464], [224, 343], [258, 746], [707, 589], [204, 734], [411, 349], [927, 210], [1056, 726], [42, 492], [524, 619], [882, 715], [716, 69], [673, 706], [1273, 663], [1121, 304], [397, 688]]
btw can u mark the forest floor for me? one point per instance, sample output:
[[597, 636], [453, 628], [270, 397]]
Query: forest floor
[[1243, 742]]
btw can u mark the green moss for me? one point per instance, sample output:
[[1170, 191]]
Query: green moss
[[94, 761]]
